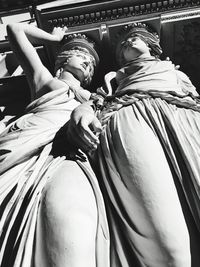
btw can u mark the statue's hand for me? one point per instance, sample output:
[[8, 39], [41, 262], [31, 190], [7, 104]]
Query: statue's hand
[[84, 128], [59, 32], [177, 67]]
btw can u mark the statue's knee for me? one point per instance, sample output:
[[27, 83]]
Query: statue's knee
[[68, 226], [179, 251], [176, 251], [67, 202], [71, 222], [167, 248]]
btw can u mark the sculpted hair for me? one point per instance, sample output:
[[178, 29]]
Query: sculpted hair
[[75, 44]]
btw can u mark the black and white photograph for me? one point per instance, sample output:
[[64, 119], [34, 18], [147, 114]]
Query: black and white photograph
[[99, 133]]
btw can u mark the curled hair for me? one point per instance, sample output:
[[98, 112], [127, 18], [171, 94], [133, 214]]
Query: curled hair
[[76, 44]]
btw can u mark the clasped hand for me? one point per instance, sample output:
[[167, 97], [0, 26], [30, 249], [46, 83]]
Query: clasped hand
[[84, 128]]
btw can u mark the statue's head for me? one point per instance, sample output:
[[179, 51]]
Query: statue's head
[[135, 39], [79, 57]]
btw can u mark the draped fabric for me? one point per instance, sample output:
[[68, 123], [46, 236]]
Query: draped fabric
[[148, 74], [26, 164], [150, 135]]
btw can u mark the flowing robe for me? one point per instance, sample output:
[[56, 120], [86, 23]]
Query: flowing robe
[[151, 133], [26, 164]]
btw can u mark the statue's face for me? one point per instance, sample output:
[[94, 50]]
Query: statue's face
[[80, 66], [133, 47]]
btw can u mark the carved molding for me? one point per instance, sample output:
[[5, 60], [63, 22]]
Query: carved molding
[[181, 15], [128, 11]]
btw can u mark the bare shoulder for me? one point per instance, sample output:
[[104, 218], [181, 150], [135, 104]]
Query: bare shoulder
[[51, 85]]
